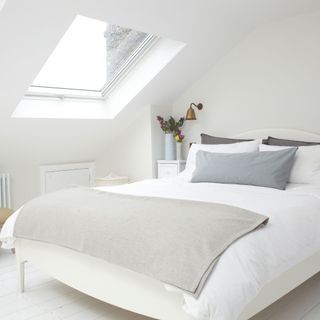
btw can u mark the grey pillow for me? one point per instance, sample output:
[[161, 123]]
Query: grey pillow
[[289, 143], [207, 139], [265, 169]]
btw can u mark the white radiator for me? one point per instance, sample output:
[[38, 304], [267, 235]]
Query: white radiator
[[5, 196]]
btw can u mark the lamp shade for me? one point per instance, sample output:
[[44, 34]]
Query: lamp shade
[[191, 115]]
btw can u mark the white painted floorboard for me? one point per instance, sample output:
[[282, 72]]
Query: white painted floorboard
[[48, 299]]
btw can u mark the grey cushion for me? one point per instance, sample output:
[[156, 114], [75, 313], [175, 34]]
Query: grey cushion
[[265, 169], [290, 143], [207, 139]]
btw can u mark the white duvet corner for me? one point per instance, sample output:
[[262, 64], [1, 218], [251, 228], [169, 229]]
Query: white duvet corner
[[6, 235]]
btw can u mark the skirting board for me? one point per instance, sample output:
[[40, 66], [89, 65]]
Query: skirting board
[[136, 292]]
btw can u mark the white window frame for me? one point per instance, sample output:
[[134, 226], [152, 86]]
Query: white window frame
[[102, 94]]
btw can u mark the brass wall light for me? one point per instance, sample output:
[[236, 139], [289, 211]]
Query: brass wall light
[[191, 115]]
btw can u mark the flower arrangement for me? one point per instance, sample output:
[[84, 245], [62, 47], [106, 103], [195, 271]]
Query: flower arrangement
[[170, 125], [179, 136], [173, 137]]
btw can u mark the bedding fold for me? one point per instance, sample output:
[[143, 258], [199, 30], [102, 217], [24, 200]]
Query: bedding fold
[[175, 241]]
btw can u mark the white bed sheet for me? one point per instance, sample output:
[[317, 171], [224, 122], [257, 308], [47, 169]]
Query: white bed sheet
[[292, 235]]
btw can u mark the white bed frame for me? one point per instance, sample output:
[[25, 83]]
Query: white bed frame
[[138, 293]]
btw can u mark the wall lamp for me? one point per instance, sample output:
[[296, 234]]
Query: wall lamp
[[191, 115]]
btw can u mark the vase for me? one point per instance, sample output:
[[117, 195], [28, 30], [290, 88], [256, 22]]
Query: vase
[[170, 147], [179, 151]]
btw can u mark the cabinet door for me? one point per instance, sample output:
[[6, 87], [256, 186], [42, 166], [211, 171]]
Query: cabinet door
[[167, 170], [63, 179]]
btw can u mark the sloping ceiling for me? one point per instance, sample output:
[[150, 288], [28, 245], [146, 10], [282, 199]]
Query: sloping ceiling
[[30, 30]]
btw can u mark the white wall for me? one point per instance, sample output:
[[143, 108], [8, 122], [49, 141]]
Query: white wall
[[129, 153], [271, 79], [135, 151]]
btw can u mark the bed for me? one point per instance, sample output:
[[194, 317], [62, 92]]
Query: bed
[[251, 274]]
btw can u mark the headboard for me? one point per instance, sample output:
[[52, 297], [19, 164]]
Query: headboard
[[291, 134]]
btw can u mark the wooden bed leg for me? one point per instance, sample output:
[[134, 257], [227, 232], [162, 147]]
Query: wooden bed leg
[[21, 276]]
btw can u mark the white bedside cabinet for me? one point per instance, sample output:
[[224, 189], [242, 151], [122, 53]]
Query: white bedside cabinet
[[170, 168]]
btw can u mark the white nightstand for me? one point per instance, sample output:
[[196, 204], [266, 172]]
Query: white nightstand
[[170, 168]]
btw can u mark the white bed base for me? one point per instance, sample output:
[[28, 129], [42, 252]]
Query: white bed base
[[138, 293]]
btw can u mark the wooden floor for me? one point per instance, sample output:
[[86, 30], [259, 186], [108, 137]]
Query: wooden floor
[[47, 299]]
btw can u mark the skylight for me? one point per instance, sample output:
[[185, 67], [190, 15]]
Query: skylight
[[90, 58]]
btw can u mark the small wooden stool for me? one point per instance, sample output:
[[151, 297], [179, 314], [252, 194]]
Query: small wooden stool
[[5, 213]]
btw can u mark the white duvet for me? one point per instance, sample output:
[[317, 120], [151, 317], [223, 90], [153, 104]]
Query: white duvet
[[292, 234]]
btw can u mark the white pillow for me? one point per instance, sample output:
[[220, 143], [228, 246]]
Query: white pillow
[[238, 147], [306, 168]]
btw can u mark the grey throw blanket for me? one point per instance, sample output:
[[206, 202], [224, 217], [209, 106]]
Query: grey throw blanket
[[175, 241]]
